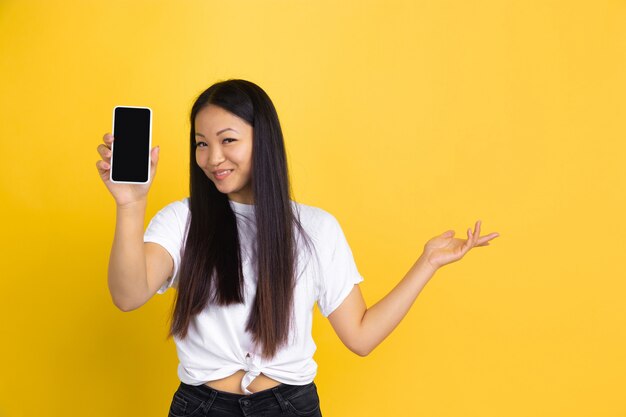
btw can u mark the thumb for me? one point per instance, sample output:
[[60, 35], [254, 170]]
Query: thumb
[[154, 159], [449, 233], [155, 156]]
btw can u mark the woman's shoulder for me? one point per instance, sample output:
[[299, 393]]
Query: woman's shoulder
[[178, 205], [315, 218], [182, 204], [177, 208]]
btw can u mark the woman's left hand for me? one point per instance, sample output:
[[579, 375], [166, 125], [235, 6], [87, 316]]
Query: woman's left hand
[[444, 249]]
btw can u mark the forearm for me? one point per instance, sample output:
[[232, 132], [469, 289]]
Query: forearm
[[383, 317], [127, 263]]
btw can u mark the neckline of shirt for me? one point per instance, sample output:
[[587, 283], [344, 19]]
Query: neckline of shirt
[[241, 207]]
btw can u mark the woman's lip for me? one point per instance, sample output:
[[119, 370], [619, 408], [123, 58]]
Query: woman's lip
[[221, 177]]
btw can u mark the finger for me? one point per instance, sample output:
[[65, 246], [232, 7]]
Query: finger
[[488, 237], [468, 242], [492, 236], [102, 166], [472, 237], [448, 233], [477, 234], [108, 139], [104, 152]]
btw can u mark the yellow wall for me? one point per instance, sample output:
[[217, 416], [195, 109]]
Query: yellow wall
[[403, 119]]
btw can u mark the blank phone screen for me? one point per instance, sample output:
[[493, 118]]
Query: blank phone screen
[[131, 146]]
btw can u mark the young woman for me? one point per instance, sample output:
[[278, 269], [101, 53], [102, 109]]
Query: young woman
[[249, 264]]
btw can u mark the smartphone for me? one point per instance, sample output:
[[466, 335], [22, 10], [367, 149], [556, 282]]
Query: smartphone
[[130, 150]]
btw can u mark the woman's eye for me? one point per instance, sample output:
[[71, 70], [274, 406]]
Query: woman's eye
[[202, 143]]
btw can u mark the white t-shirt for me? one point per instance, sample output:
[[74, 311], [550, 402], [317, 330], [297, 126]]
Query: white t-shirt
[[217, 344]]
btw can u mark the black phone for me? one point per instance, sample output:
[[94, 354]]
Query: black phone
[[130, 150]]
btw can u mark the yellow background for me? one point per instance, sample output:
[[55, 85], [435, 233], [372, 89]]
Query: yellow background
[[401, 118]]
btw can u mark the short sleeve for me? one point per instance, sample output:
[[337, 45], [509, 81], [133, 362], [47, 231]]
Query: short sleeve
[[339, 272], [167, 229]]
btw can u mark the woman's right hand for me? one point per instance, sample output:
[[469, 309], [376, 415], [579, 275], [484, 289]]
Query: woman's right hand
[[124, 194]]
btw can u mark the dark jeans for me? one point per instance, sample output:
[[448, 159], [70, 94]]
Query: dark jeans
[[283, 400]]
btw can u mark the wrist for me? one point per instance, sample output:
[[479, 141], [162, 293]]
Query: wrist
[[423, 263], [133, 206]]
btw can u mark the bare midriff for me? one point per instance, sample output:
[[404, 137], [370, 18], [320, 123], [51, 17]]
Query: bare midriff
[[232, 383]]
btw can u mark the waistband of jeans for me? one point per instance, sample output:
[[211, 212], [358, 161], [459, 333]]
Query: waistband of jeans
[[204, 392]]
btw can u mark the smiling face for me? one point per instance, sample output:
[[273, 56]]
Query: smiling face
[[224, 142]]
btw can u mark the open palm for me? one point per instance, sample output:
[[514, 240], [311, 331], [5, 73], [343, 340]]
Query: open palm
[[445, 248]]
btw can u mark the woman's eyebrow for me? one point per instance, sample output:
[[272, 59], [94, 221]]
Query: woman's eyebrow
[[218, 133]]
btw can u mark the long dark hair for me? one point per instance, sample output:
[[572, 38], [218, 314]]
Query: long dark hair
[[211, 270]]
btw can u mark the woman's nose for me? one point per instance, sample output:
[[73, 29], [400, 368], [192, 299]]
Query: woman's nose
[[215, 158]]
